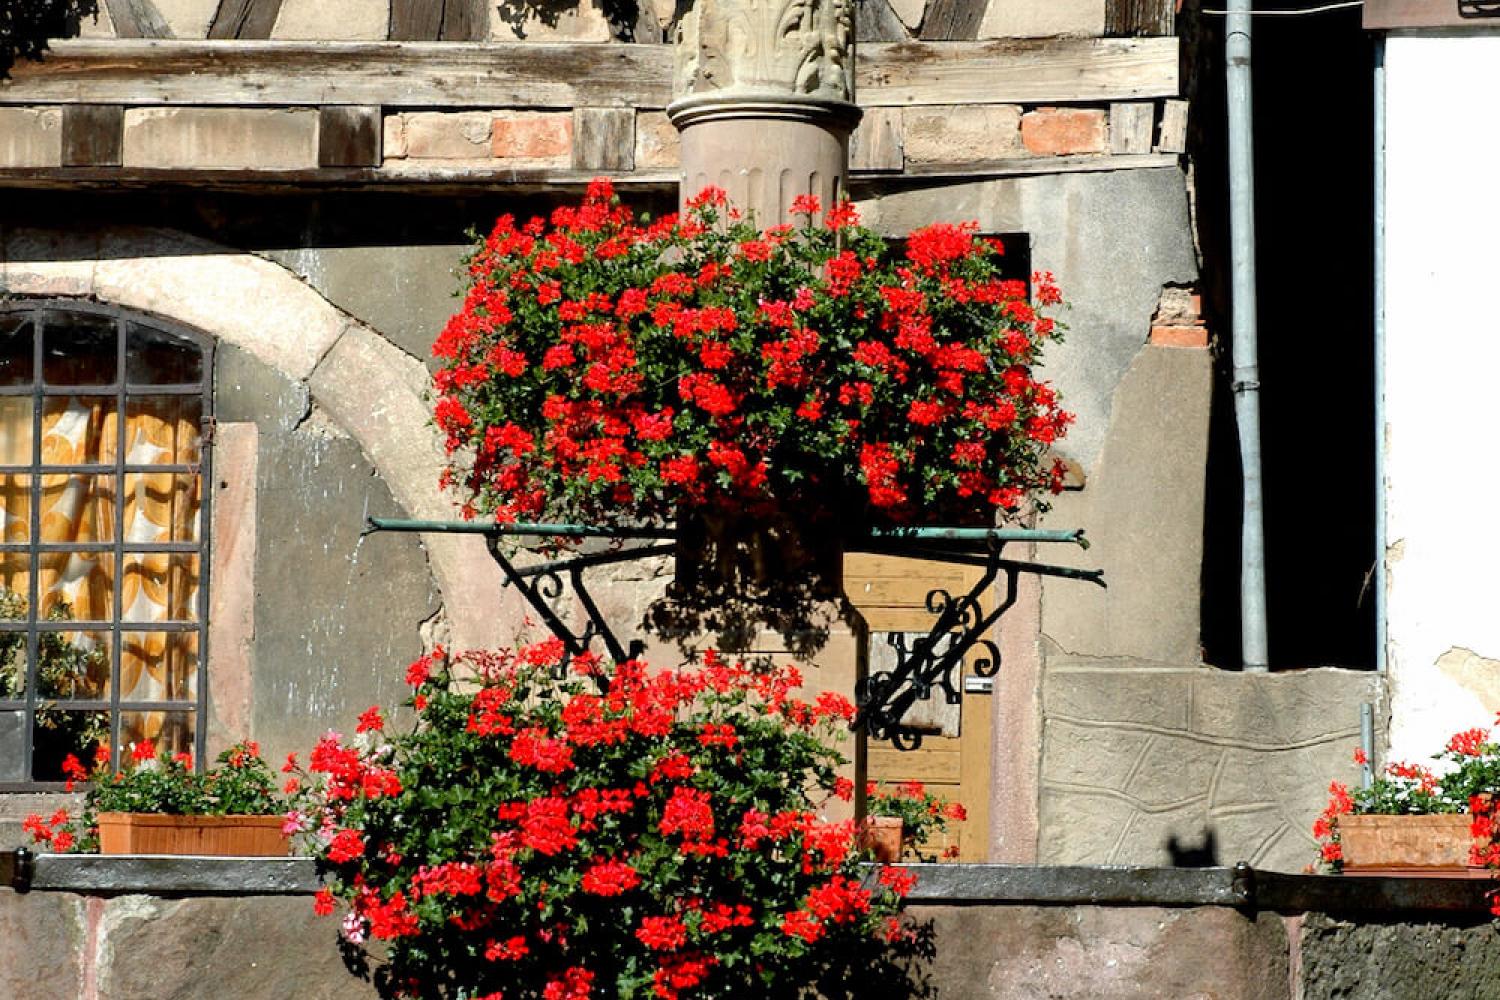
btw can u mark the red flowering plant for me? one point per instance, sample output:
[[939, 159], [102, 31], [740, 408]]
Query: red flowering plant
[[923, 816], [1465, 779], [596, 832], [153, 781], [606, 369]]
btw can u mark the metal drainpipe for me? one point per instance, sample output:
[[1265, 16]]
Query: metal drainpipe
[[1380, 180], [1253, 650]]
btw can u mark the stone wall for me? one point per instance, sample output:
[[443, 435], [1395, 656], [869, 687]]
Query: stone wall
[[273, 948]]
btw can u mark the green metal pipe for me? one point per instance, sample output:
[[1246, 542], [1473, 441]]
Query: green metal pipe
[[588, 531], [516, 528]]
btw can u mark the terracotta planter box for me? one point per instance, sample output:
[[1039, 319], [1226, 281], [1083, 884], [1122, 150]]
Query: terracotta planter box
[[1420, 846], [223, 836], [883, 837]]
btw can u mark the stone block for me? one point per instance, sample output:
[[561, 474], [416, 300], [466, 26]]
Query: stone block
[[962, 133], [1065, 131], [1081, 828], [657, 142], [333, 20], [1098, 696], [393, 137], [1072, 953], [43, 935], [1295, 707], [1092, 757], [444, 135], [337, 616], [221, 138], [1405, 960], [1029, 19], [183, 949], [231, 613], [30, 137], [533, 138], [48, 261], [1240, 774]]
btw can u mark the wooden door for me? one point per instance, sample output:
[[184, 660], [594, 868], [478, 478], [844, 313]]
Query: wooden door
[[892, 593]]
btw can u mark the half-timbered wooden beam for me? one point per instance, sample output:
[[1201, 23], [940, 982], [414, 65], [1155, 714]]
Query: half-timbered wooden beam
[[562, 75]]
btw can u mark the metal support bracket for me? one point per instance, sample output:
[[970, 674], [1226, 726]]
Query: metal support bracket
[[934, 663], [929, 666]]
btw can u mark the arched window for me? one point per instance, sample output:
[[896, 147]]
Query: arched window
[[103, 535]]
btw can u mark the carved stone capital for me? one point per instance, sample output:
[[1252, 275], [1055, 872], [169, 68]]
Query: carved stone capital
[[799, 48]]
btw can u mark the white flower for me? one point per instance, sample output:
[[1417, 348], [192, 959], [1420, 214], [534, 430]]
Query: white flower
[[353, 929]]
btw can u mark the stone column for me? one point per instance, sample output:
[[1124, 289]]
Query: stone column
[[765, 104], [765, 101]]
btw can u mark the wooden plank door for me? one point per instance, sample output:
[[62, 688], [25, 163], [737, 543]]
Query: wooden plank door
[[891, 593]]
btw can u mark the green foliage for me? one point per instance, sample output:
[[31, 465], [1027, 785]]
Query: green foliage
[[240, 785], [622, 833]]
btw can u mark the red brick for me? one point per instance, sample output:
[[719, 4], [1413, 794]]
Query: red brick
[[532, 135], [1064, 131], [1179, 336]]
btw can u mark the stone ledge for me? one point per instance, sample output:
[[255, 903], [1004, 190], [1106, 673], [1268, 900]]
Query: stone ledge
[[1241, 887]]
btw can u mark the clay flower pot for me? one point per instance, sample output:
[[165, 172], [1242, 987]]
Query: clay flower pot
[[883, 837], [1430, 846], [219, 836]]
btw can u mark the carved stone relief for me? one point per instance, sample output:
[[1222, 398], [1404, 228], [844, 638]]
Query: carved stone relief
[[792, 47]]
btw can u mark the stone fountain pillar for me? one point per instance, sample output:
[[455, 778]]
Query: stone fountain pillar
[[765, 104], [764, 99]]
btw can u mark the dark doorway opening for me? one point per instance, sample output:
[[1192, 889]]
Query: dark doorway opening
[[1314, 137]]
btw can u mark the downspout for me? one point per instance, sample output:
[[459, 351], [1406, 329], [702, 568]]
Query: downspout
[[1380, 180], [1246, 366]]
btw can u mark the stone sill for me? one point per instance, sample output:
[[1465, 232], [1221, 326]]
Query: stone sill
[[938, 884]]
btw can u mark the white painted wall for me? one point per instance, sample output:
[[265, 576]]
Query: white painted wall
[[1442, 383]]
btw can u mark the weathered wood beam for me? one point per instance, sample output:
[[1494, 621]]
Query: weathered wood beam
[[92, 135], [137, 19], [349, 137], [1018, 71], [562, 75], [436, 179], [244, 19], [1140, 17]]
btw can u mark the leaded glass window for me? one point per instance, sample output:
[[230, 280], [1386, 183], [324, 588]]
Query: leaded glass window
[[103, 535]]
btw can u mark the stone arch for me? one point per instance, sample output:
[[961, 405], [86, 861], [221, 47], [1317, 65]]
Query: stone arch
[[369, 387]]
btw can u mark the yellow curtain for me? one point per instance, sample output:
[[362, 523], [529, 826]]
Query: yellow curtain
[[82, 508]]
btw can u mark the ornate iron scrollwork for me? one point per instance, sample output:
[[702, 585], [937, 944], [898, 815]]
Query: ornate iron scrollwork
[[928, 664], [960, 625], [542, 585]]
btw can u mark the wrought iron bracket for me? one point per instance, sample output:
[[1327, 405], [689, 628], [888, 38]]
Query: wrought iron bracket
[[542, 584], [933, 664], [930, 666]]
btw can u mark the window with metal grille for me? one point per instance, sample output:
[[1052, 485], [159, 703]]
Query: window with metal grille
[[103, 536]]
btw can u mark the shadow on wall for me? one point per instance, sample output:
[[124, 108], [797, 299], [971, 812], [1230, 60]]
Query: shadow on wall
[[1205, 854]]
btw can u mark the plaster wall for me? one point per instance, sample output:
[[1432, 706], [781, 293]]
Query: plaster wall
[[1442, 352]]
